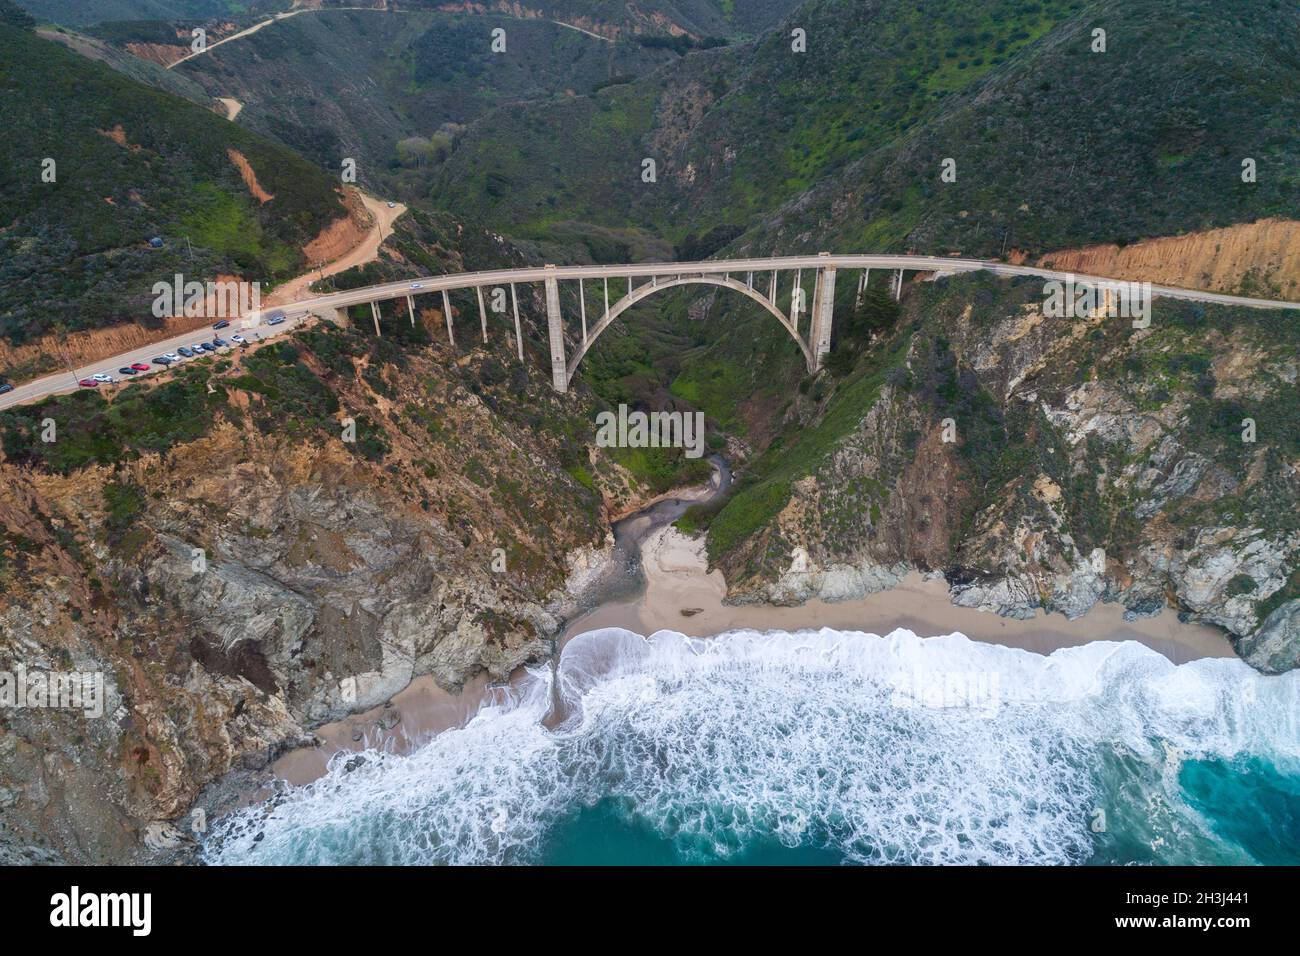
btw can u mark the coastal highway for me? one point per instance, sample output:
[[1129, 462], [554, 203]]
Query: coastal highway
[[647, 270], [296, 312], [66, 381]]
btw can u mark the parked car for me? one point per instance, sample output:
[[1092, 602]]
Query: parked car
[[127, 370], [239, 340], [277, 320], [103, 377], [391, 204], [88, 383], [184, 350], [223, 324], [220, 343], [162, 360], [5, 387], [171, 356], [140, 366]]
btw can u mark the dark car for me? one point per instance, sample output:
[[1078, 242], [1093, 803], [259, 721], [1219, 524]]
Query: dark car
[[219, 343], [127, 370], [5, 387], [162, 360], [223, 324], [186, 351], [207, 346]]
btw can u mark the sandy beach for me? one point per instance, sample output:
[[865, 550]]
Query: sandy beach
[[677, 580]]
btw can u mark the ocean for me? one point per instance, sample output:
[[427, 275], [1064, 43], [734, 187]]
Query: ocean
[[820, 747]]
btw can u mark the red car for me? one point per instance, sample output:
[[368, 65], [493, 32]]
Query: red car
[[140, 366], [88, 383]]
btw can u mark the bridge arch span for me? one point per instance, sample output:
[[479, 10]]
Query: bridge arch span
[[644, 292]]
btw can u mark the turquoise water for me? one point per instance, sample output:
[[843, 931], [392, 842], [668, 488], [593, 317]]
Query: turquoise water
[[823, 748]]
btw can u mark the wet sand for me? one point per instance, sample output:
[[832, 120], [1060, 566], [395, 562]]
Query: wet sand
[[677, 580]]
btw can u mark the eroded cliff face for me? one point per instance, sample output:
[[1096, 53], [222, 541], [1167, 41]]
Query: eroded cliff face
[[241, 587], [1090, 461]]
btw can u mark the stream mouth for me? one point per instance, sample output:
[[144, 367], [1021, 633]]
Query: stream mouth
[[623, 578]]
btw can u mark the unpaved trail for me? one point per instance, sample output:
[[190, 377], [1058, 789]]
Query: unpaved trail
[[365, 251]]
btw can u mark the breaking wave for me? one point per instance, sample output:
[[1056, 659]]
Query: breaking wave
[[823, 746]]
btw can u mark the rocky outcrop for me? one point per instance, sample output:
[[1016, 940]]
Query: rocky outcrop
[[1089, 462], [239, 589]]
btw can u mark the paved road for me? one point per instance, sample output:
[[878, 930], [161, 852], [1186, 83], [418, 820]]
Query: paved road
[[760, 267], [67, 381], [297, 311]]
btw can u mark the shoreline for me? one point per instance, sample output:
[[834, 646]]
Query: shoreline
[[677, 579]]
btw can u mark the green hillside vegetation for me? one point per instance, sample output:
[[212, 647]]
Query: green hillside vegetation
[[384, 88], [79, 13], [1061, 146], [75, 253], [1055, 145]]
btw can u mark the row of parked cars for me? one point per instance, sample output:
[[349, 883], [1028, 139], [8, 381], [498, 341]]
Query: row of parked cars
[[167, 358]]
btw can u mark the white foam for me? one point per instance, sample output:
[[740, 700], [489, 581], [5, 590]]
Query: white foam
[[892, 748]]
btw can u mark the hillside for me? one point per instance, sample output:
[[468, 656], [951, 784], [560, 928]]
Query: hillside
[[389, 88], [1055, 146], [326, 561], [132, 163], [80, 13]]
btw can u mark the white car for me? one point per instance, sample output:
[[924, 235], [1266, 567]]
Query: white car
[[417, 285], [239, 340], [173, 356], [103, 377], [392, 205]]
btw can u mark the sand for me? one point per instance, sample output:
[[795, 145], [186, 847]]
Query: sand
[[677, 580]]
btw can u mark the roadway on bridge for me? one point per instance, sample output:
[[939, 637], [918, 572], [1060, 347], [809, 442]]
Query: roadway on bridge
[[298, 311]]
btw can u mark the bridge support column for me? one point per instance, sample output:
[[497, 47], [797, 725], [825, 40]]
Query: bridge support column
[[374, 313], [582, 306], [796, 292], [482, 312], [555, 326], [446, 311], [898, 287], [823, 316], [519, 334], [863, 280], [410, 308]]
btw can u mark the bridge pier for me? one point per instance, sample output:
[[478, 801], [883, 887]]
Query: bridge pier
[[374, 313], [446, 311], [482, 312], [519, 335], [823, 317], [555, 327], [898, 286], [410, 308]]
